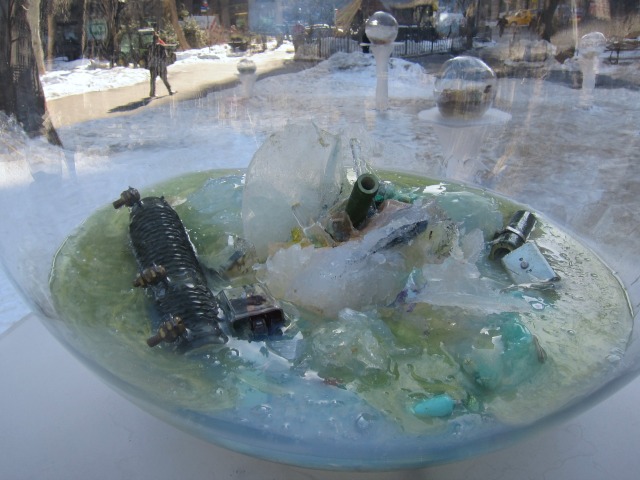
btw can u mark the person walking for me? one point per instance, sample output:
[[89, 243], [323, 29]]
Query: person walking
[[502, 23], [158, 59]]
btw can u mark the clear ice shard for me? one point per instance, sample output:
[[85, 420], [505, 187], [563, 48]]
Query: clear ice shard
[[366, 271], [356, 344], [298, 169]]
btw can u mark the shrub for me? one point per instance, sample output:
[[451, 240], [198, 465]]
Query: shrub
[[194, 34]]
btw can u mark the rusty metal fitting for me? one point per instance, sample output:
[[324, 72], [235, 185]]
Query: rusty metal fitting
[[150, 276], [129, 197], [168, 331]]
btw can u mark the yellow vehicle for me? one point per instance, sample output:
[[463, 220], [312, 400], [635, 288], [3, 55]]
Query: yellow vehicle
[[520, 18]]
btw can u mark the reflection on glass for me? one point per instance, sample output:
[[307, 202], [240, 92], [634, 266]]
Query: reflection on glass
[[446, 318], [465, 88]]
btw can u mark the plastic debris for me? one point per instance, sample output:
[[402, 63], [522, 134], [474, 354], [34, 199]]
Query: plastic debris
[[438, 406]]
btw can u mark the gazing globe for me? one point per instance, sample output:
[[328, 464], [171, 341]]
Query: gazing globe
[[246, 66], [465, 88], [381, 28], [592, 44]]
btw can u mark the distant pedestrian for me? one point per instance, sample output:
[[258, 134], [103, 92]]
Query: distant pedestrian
[[502, 23], [298, 32], [536, 22], [366, 43], [158, 60]]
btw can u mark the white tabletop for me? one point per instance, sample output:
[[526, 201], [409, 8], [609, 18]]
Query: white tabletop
[[59, 421]]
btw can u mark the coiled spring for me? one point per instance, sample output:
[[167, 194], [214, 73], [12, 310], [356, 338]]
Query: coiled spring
[[170, 269]]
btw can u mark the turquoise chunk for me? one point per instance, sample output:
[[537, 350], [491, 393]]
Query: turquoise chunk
[[502, 356], [438, 406]]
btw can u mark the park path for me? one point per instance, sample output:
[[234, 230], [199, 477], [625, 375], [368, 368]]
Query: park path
[[190, 80]]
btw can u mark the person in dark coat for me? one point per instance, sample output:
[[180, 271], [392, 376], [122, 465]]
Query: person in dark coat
[[158, 59], [502, 23]]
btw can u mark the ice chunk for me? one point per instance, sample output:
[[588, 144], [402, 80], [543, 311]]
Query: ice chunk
[[395, 227], [354, 345], [299, 168], [329, 279], [218, 202], [471, 211], [501, 356], [362, 272], [220, 247], [457, 281]]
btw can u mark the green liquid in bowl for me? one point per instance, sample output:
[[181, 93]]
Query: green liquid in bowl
[[427, 376]]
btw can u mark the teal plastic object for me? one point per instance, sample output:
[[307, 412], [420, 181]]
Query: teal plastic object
[[438, 406], [362, 195]]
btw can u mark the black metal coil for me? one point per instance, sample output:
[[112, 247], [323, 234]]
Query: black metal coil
[[159, 238]]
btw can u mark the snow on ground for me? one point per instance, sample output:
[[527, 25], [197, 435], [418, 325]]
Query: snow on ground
[[80, 76], [567, 152]]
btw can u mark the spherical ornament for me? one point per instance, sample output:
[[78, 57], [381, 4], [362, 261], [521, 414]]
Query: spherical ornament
[[592, 44], [465, 88], [246, 66], [381, 28]]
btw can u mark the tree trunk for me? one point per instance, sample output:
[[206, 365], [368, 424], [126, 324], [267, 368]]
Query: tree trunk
[[170, 5], [83, 39], [51, 35], [547, 19], [22, 94], [223, 7], [33, 17], [6, 96]]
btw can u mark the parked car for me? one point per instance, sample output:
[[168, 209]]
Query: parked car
[[520, 18]]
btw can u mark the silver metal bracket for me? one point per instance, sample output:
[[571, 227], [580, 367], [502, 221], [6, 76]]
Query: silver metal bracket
[[527, 265]]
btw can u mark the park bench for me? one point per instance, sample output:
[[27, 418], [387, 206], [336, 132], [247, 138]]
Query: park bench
[[617, 46]]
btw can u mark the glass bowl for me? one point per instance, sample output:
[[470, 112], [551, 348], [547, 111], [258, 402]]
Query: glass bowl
[[565, 155]]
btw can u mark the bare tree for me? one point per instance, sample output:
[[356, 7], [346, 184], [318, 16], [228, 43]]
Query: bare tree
[[33, 16], [51, 10], [121, 13], [85, 18], [21, 94], [111, 10], [546, 19], [170, 7], [223, 10]]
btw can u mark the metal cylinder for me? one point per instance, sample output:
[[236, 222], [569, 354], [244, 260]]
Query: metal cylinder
[[361, 198], [514, 234], [129, 198]]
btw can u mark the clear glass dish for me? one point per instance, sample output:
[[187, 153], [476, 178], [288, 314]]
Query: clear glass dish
[[563, 149]]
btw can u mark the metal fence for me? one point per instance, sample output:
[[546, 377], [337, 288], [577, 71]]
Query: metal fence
[[411, 48], [322, 48]]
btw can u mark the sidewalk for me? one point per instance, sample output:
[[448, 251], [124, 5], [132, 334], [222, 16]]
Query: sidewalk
[[194, 80]]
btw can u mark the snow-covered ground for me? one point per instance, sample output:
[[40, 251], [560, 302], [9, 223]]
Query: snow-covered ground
[[568, 152], [80, 76]]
